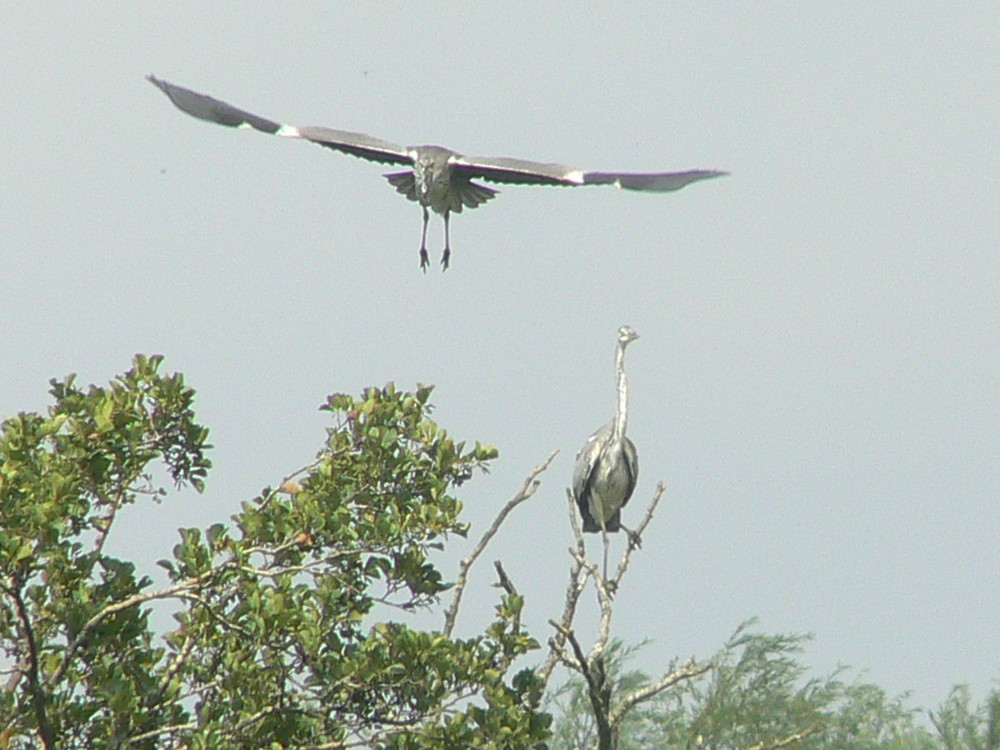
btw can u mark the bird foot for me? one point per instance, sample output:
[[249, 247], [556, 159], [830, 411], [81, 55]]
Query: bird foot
[[424, 260], [445, 258], [634, 540]]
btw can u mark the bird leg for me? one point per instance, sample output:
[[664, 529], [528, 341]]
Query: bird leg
[[604, 537], [424, 262], [447, 243]]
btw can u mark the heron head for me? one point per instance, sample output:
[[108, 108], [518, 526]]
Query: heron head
[[626, 335]]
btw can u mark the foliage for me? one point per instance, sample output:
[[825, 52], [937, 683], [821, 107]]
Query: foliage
[[758, 695], [577, 727], [961, 726], [282, 637]]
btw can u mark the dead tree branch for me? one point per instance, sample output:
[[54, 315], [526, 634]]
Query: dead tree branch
[[686, 671], [531, 483], [633, 537], [785, 741]]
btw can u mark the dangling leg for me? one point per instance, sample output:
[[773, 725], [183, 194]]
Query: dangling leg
[[447, 243], [604, 534], [423, 244]]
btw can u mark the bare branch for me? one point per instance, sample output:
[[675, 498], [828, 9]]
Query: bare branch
[[635, 535], [577, 582], [786, 741], [531, 484], [686, 672], [598, 688], [604, 602], [503, 580]]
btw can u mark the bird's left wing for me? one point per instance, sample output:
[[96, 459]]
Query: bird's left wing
[[656, 182], [205, 107], [505, 169]]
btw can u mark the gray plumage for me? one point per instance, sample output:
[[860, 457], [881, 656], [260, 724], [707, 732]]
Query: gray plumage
[[437, 178], [607, 466]]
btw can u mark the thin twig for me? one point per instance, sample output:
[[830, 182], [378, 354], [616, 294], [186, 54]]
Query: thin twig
[[686, 672], [503, 580], [640, 530], [577, 582], [604, 602], [785, 742], [531, 484]]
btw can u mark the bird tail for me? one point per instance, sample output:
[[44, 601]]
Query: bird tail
[[613, 524], [404, 184], [472, 195]]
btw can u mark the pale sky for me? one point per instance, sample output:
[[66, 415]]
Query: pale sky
[[818, 378]]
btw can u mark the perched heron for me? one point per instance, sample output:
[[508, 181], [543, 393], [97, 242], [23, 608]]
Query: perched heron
[[607, 466], [437, 178]]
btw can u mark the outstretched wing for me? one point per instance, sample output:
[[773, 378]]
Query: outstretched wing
[[214, 110], [654, 182], [517, 171], [521, 171]]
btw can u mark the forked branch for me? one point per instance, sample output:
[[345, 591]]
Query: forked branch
[[531, 483]]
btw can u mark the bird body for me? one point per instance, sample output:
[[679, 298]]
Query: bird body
[[607, 467], [439, 179], [604, 480]]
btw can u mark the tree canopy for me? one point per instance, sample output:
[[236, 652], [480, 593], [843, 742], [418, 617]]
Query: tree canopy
[[277, 642], [292, 618]]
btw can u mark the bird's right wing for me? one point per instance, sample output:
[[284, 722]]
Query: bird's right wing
[[205, 107], [656, 182], [586, 460]]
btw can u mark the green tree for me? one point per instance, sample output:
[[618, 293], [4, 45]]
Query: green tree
[[962, 726], [283, 634], [759, 696]]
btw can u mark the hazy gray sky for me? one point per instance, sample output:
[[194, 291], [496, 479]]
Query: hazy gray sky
[[818, 378]]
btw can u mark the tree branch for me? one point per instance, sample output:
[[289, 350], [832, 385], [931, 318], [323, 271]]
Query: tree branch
[[577, 582], [177, 590], [786, 741], [35, 689], [598, 689], [531, 484], [686, 672], [639, 531]]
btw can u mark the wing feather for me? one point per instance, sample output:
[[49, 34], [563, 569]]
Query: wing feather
[[516, 171], [656, 182], [207, 108], [521, 171]]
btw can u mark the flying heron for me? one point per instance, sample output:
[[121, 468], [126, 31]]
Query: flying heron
[[437, 178], [607, 466]]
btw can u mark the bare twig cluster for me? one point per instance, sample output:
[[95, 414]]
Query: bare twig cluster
[[609, 710]]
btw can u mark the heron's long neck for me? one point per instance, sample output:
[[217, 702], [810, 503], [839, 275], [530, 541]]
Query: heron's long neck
[[621, 416]]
